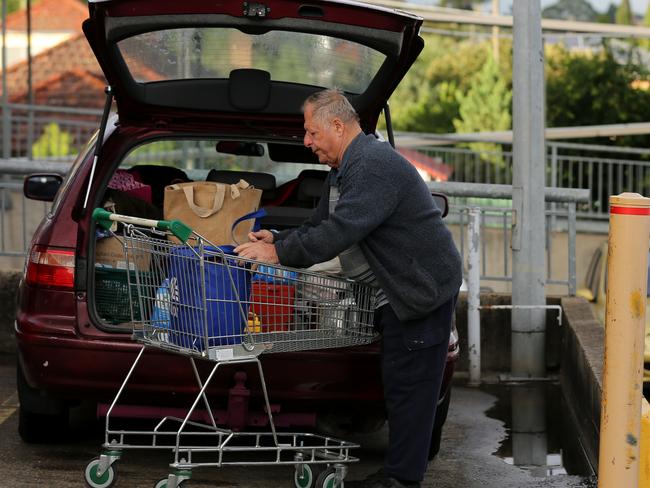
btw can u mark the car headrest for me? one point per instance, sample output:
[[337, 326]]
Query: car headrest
[[316, 174], [262, 181], [309, 190]]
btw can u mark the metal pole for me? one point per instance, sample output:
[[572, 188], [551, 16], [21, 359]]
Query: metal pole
[[529, 156], [30, 90], [627, 273], [6, 118], [553, 181], [572, 249], [495, 31], [474, 295]]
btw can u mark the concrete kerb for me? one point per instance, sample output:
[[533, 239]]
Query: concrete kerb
[[581, 371]]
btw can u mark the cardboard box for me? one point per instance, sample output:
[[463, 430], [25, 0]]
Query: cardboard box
[[109, 251]]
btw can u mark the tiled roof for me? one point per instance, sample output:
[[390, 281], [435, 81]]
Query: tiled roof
[[50, 15], [433, 166], [74, 88], [75, 53]]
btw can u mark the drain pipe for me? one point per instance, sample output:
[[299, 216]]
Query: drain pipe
[[474, 296], [627, 271]]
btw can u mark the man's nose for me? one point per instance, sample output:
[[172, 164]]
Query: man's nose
[[306, 140]]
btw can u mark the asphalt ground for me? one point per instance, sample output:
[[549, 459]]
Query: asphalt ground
[[466, 459]]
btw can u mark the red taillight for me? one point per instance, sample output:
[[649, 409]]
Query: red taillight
[[53, 268]]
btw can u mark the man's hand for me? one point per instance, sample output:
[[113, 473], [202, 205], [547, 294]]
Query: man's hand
[[261, 235], [258, 251]]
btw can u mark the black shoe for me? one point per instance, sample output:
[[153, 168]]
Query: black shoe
[[380, 480]]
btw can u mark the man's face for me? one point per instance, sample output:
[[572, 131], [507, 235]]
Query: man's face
[[322, 138]]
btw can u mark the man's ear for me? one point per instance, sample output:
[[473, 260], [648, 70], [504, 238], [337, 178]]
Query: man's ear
[[339, 126]]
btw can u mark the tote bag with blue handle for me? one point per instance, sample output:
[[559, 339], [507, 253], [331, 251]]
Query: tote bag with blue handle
[[212, 306]]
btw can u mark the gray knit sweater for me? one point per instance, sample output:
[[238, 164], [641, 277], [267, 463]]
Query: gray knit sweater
[[385, 207]]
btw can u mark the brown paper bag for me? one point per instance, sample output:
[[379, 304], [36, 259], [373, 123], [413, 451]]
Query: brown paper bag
[[210, 209]]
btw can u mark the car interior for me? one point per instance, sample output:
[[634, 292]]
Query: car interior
[[290, 191]]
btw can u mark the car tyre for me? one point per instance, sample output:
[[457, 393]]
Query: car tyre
[[36, 427], [441, 417]]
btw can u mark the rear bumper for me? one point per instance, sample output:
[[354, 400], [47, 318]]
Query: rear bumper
[[77, 368]]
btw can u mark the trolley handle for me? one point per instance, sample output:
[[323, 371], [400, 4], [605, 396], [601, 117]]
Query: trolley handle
[[105, 219]]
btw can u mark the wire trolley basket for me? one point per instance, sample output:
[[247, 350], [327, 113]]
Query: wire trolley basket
[[192, 298]]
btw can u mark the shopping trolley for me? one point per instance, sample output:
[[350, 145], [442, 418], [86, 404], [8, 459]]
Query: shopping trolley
[[203, 302]]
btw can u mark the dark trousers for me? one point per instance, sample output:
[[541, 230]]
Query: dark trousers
[[413, 361]]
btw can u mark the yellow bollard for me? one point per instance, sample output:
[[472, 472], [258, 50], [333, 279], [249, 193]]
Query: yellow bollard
[[629, 232], [644, 457]]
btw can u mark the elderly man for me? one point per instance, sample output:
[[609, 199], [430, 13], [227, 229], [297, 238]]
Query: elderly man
[[377, 214]]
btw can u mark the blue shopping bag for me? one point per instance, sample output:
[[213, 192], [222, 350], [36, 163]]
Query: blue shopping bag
[[216, 306]]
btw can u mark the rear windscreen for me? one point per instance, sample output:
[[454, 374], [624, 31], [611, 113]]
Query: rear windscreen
[[209, 52]]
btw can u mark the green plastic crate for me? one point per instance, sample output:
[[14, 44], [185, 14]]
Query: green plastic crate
[[112, 297]]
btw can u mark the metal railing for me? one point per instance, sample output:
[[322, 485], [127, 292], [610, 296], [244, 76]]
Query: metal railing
[[58, 133], [41, 131], [496, 223], [603, 170], [20, 217]]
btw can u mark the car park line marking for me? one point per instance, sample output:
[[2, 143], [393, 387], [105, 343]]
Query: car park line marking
[[8, 407]]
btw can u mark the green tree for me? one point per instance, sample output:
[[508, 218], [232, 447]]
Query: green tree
[[609, 16], [571, 10], [592, 89], [646, 18], [54, 142], [486, 107], [624, 13], [13, 5], [427, 99], [462, 4]]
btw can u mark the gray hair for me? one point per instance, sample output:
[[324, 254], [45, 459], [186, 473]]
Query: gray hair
[[329, 104]]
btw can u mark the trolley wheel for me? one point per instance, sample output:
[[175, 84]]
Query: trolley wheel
[[163, 484], [304, 479], [327, 479], [93, 480]]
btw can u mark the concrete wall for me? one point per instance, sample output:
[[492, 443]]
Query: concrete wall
[[583, 345], [8, 287], [495, 334], [497, 263]]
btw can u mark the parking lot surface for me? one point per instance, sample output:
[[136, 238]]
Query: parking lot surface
[[466, 459]]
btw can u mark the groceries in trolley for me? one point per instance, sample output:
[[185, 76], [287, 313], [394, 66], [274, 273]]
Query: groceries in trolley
[[196, 296]]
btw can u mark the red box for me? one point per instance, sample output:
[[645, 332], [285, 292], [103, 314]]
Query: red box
[[273, 304]]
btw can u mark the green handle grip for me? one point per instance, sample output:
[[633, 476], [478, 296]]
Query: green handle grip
[[105, 219]]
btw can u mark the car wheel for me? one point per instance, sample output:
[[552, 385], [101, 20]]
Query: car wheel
[[441, 417], [41, 419]]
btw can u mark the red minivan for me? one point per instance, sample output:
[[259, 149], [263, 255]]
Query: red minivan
[[201, 90]]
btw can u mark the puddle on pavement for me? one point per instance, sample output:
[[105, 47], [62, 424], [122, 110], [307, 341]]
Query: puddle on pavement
[[541, 436]]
